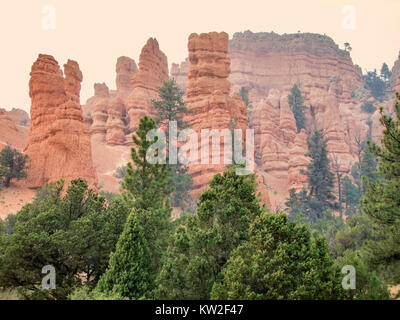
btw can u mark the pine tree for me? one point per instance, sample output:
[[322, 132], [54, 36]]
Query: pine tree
[[129, 271], [385, 72], [244, 94], [170, 107], [146, 183], [146, 188], [13, 165], [351, 196], [374, 84], [317, 200], [75, 231], [382, 200], [320, 177], [296, 102], [281, 260], [201, 247]]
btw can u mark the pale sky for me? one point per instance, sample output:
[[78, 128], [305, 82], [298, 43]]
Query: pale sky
[[96, 32]]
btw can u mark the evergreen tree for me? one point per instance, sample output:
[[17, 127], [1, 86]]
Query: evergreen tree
[[169, 108], [146, 188], [314, 205], [129, 271], [351, 196], [320, 177], [375, 85], [385, 72], [296, 102], [350, 250], [382, 200], [368, 107], [244, 94], [281, 260], [368, 285], [73, 231], [201, 247], [146, 184], [2, 227], [12, 165]]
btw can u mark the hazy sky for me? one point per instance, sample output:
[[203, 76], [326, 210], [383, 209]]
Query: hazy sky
[[96, 32]]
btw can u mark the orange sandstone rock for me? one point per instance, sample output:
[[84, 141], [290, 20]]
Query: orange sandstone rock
[[126, 68], [153, 71], [208, 97], [59, 143]]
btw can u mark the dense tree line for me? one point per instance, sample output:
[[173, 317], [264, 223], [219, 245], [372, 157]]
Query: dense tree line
[[230, 248]]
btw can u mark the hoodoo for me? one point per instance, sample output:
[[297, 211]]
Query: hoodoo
[[59, 143]]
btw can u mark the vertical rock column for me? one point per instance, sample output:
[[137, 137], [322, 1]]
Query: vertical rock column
[[59, 143]]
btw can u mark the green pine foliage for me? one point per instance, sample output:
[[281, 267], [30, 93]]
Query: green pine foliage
[[201, 247], [170, 107], [13, 165], [368, 106], [75, 232], [351, 196], [381, 201], [146, 188], [129, 272], [146, 184], [314, 202], [296, 102], [244, 94], [375, 85], [385, 72], [281, 260]]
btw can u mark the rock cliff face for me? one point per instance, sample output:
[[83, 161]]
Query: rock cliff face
[[11, 133], [59, 143], [153, 71], [126, 68], [394, 80], [106, 110], [19, 116], [262, 61], [179, 72], [114, 114], [99, 105], [268, 65], [207, 95]]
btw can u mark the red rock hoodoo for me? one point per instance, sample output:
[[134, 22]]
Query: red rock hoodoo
[[153, 71], [59, 144], [207, 95]]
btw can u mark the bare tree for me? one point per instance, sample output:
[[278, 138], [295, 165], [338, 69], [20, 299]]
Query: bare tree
[[339, 175], [360, 149]]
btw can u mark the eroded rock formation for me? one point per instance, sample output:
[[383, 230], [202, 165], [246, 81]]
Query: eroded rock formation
[[153, 71], [59, 144], [268, 65], [394, 79], [262, 61], [207, 95], [126, 68], [11, 133], [179, 72]]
